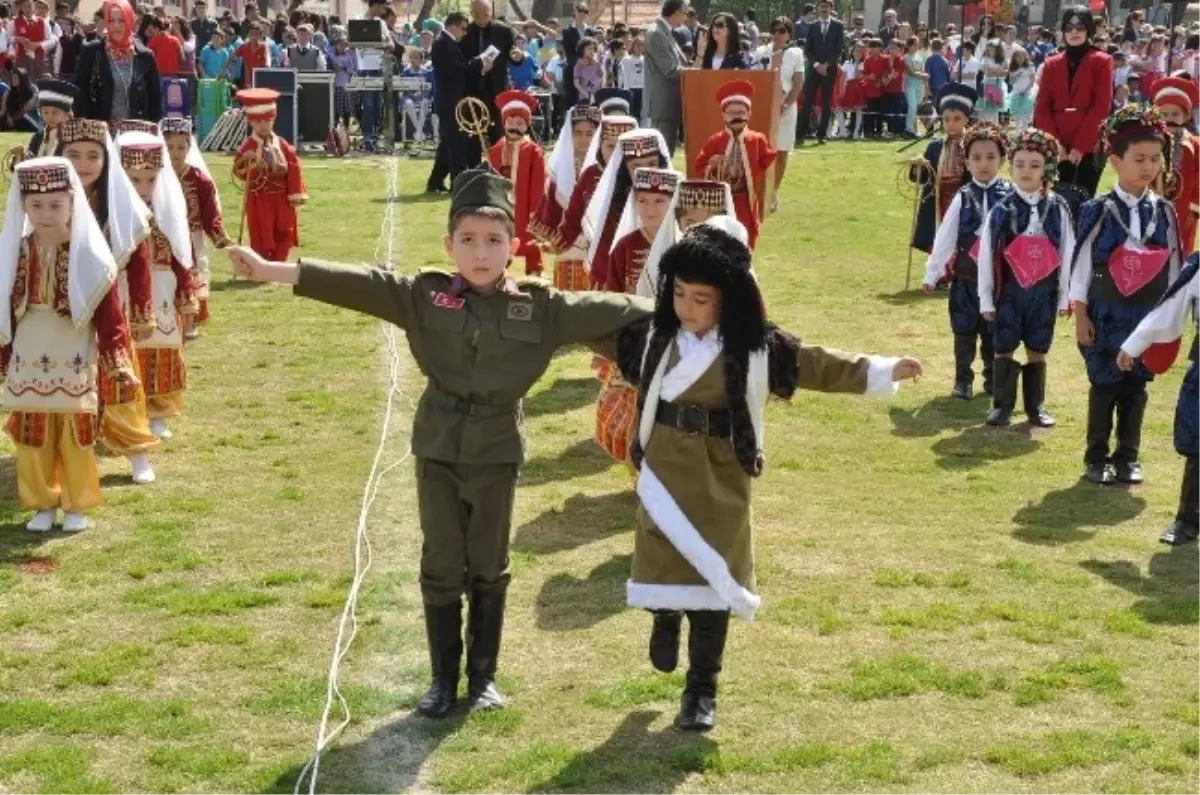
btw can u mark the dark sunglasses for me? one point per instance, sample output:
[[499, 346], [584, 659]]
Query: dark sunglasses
[[1074, 28], [717, 25]]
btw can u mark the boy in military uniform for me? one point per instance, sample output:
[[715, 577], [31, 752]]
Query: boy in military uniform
[[483, 339]]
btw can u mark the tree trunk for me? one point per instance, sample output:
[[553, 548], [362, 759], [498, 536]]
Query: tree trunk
[[423, 14], [541, 10]]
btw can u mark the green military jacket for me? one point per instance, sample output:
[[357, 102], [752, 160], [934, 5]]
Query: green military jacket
[[480, 352]]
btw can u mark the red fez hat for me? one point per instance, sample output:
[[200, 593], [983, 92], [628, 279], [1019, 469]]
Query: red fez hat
[[258, 103], [1176, 91], [516, 103], [736, 91]]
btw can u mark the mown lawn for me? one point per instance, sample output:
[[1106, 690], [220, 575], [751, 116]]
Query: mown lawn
[[946, 607]]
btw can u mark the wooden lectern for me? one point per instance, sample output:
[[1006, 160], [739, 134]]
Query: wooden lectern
[[702, 116]]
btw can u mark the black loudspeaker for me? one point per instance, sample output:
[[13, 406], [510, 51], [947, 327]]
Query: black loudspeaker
[[365, 32], [285, 82], [315, 117]]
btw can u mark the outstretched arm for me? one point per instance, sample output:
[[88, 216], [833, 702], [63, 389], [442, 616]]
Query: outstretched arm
[[821, 369]]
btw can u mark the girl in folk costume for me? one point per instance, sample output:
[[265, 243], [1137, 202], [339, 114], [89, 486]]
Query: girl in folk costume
[[1025, 253], [653, 193], [125, 219], [956, 247], [570, 238], [169, 248], [635, 149], [1156, 340], [704, 365], [60, 321], [694, 202], [203, 207], [566, 164], [942, 169], [274, 182], [1175, 99], [517, 158], [737, 154], [1128, 253]]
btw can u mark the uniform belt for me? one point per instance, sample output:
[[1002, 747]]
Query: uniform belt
[[695, 419], [469, 408]]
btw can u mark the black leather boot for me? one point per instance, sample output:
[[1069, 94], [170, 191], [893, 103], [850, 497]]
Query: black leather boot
[[484, 627], [664, 640], [1131, 411], [1185, 527], [987, 354], [1004, 398], [1033, 390], [1099, 427], [964, 376], [707, 630], [443, 633]]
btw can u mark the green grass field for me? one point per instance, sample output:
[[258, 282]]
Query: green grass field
[[947, 608]]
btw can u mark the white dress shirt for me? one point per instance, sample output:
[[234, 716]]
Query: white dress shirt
[[1081, 274], [1066, 249], [946, 241]]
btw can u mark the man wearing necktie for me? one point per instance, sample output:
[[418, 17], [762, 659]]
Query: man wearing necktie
[[823, 48]]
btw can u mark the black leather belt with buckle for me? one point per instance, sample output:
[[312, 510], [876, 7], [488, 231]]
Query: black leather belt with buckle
[[695, 419]]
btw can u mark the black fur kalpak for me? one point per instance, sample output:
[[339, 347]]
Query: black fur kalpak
[[711, 257]]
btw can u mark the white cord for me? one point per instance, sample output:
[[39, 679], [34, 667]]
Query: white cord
[[362, 543]]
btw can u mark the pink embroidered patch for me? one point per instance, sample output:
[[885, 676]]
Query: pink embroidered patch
[[447, 301], [1032, 258], [1132, 269]]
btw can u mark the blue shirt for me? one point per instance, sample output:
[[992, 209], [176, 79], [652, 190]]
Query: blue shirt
[[523, 74], [212, 60], [939, 72]]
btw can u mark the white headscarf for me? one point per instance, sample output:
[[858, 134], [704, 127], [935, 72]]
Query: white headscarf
[[168, 202], [668, 235], [196, 158], [128, 215], [562, 161], [597, 210], [629, 219], [91, 269]]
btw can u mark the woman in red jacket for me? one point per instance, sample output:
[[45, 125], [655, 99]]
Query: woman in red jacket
[[1074, 98]]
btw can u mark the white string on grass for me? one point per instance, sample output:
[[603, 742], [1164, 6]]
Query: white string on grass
[[348, 625]]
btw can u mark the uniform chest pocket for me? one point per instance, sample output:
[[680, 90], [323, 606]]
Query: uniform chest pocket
[[445, 319], [521, 331]]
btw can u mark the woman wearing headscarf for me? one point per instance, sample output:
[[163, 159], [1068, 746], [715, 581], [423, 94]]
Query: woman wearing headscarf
[[1074, 98], [116, 75]]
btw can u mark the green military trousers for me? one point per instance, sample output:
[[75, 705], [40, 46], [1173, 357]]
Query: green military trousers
[[466, 517]]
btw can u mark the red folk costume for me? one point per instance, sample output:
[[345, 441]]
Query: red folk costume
[[62, 324], [521, 161], [744, 158], [569, 240], [274, 182], [203, 209], [1183, 175]]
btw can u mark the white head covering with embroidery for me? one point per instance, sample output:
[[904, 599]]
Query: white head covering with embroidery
[[598, 207], [669, 233], [91, 269], [168, 202], [629, 218]]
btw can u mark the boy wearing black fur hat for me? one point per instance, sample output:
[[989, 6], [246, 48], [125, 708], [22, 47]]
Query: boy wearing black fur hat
[[704, 366], [1128, 253], [483, 339]]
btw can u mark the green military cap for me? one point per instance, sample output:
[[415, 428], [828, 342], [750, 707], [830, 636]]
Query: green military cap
[[481, 187]]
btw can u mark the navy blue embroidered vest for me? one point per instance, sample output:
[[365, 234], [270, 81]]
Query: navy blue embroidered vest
[[970, 220], [1110, 237]]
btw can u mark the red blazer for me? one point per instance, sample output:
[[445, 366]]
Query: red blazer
[[1073, 111]]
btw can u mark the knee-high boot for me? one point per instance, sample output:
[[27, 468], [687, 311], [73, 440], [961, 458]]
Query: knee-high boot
[[484, 628], [1131, 411], [707, 631], [1033, 389], [987, 354], [1101, 400], [664, 640], [443, 633], [964, 376], [1004, 396], [1185, 527]]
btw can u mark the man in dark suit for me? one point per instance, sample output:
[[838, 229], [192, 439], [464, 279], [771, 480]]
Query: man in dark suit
[[487, 68], [571, 36], [449, 86], [822, 49]]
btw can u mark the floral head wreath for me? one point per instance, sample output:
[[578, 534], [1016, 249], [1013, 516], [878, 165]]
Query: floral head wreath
[[985, 131], [1131, 120], [1042, 142]]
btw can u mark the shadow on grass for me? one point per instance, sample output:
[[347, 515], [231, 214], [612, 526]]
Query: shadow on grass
[[981, 444], [634, 759], [567, 602], [911, 296], [583, 518], [1061, 515], [225, 285], [413, 198], [565, 394], [1167, 591], [389, 760], [579, 460], [937, 415]]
